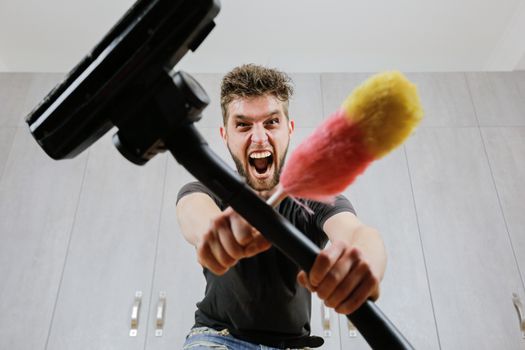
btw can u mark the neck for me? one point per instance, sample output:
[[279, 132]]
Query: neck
[[265, 194]]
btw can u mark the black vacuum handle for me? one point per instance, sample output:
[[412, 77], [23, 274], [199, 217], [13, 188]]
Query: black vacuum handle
[[192, 152]]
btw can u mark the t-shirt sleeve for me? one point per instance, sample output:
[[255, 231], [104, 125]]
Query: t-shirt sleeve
[[324, 211], [196, 186]]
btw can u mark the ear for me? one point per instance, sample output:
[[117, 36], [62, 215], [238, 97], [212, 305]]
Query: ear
[[291, 126], [224, 136]]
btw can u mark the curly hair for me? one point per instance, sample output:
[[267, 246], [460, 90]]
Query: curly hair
[[250, 80]]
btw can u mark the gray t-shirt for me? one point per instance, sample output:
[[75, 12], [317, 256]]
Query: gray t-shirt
[[259, 299]]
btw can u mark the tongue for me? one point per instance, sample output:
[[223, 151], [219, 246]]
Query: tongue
[[260, 164]]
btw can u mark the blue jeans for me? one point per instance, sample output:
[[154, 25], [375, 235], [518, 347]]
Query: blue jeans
[[204, 338]]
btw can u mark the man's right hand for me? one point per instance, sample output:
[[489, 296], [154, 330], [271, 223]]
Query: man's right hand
[[229, 239]]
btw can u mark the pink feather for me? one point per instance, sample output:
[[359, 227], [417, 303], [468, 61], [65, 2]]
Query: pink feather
[[327, 161]]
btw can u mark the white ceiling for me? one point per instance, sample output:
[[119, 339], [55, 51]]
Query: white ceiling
[[294, 35]]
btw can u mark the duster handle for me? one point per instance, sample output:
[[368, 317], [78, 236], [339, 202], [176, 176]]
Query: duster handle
[[276, 198]]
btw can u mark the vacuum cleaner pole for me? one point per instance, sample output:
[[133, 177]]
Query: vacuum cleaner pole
[[191, 151], [127, 81]]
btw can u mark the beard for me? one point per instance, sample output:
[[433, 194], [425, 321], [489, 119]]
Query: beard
[[258, 184]]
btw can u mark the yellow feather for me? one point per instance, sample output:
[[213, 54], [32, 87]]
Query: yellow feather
[[386, 108]]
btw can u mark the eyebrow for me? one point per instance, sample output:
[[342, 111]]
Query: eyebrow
[[243, 117]]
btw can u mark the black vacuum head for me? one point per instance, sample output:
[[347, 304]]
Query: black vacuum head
[[114, 85]]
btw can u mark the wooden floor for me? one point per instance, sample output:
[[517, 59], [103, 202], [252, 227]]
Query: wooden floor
[[79, 237]]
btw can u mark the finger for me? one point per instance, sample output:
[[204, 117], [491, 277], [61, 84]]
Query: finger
[[333, 278], [207, 260], [241, 229], [229, 243], [302, 278], [324, 263], [352, 280], [258, 245], [219, 252], [256, 232], [356, 299]]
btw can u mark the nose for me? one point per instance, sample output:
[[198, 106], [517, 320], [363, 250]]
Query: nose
[[259, 134]]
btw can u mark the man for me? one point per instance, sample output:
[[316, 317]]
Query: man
[[254, 294]]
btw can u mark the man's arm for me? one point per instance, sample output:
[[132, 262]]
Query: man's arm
[[221, 238], [347, 227], [348, 272], [195, 211]]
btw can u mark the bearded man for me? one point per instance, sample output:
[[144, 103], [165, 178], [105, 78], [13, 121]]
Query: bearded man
[[255, 297]]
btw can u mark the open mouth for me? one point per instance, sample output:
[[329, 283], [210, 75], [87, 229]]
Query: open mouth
[[260, 162]]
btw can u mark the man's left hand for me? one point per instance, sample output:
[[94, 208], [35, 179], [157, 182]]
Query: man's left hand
[[342, 277]]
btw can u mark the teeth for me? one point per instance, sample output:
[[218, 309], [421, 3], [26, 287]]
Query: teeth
[[258, 155]]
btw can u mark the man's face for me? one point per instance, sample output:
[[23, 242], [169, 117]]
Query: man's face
[[257, 134]]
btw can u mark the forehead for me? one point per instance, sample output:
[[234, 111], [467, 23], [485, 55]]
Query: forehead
[[255, 106]]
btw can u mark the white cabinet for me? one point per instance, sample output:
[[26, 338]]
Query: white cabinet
[[177, 271], [111, 253], [38, 198], [79, 237], [325, 323], [470, 263]]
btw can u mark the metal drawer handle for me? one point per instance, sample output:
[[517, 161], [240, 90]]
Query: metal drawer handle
[[135, 311], [161, 313], [352, 331], [519, 308], [325, 319]]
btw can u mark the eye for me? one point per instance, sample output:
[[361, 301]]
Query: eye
[[273, 121], [241, 125]]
